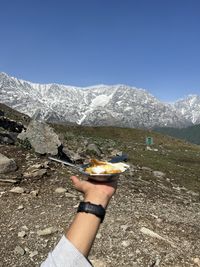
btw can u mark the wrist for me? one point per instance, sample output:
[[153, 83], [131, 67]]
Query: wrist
[[97, 198], [92, 208]]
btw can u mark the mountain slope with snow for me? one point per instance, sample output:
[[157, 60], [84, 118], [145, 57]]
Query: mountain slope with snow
[[117, 105], [190, 108]]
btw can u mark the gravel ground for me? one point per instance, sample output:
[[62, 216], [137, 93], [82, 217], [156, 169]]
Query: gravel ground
[[140, 206]]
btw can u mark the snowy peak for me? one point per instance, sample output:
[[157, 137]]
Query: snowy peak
[[190, 108], [117, 105]]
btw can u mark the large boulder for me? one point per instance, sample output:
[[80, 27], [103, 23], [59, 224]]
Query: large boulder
[[7, 165], [41, 137]]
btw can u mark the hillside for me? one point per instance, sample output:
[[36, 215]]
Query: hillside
[[190, 134], [13, 114], [160, 194]]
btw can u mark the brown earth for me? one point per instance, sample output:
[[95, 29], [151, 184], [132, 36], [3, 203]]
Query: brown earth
[[142, 200]]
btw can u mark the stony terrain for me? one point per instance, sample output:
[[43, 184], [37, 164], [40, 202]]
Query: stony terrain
[[153, 220]]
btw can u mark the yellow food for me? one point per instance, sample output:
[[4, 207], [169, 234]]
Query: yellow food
[[102, 167]]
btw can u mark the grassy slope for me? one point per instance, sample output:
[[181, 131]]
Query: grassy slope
[[14, 115], [191, 134], [178, 159]]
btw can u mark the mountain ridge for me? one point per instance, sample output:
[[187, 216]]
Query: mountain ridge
[[115, 105]]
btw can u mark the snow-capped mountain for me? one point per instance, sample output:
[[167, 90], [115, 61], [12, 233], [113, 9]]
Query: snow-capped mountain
[[118, 105], [190, 108]]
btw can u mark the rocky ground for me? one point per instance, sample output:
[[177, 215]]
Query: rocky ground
[[148, 223], [153, 220]]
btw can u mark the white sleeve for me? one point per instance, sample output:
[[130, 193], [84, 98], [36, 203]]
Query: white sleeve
[[65, 255]]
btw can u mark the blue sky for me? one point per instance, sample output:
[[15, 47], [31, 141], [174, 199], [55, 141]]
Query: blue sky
[[151, 44]]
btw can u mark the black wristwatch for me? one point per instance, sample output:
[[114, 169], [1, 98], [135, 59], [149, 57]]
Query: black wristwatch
[[88, 207]]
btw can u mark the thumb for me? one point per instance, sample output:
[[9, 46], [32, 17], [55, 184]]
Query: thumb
[[77, 183]]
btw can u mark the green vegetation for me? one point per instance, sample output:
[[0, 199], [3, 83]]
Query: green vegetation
[[177, 158], [14, 115], [190, 134], [25, 144]]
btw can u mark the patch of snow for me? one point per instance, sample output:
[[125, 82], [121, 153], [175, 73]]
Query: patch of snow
[[101, 100], [82, 119], [127, 109]]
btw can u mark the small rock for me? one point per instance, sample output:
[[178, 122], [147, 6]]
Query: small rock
[[33, 253], [19, 250], [34, 193], [157, 262], [44, 245], [35, 173], [20, 207], [158, 174], [46, 165], [159, 220], [131, 255], [2, 193], [93, 149], [148, 148], [47, 231], [22, 234], [81, 197], [116, 152], [7, 165], [26, 249], [70, 195], [72, 156], [124, 227], [197, 261], [25, 228], [126, 243], [98, 236], [60, 190], [34, 167], [137, 251], [150, 233], [17, 190], [98, 263]]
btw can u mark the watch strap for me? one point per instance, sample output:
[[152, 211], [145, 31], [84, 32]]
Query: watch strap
[[95, 209]]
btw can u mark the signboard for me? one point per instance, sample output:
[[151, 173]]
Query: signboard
[[149, 140]]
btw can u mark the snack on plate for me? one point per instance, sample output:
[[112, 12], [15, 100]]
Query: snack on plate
[[103, 167]]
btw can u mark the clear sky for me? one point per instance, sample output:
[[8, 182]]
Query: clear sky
[[151, 44]]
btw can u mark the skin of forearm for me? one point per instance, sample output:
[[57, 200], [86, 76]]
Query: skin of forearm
[[84, 227]]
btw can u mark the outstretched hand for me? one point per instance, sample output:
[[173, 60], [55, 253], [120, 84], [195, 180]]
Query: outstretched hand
[[96, 192]]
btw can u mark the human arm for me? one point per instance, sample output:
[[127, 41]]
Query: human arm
[[84, 227], [73, 249]]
